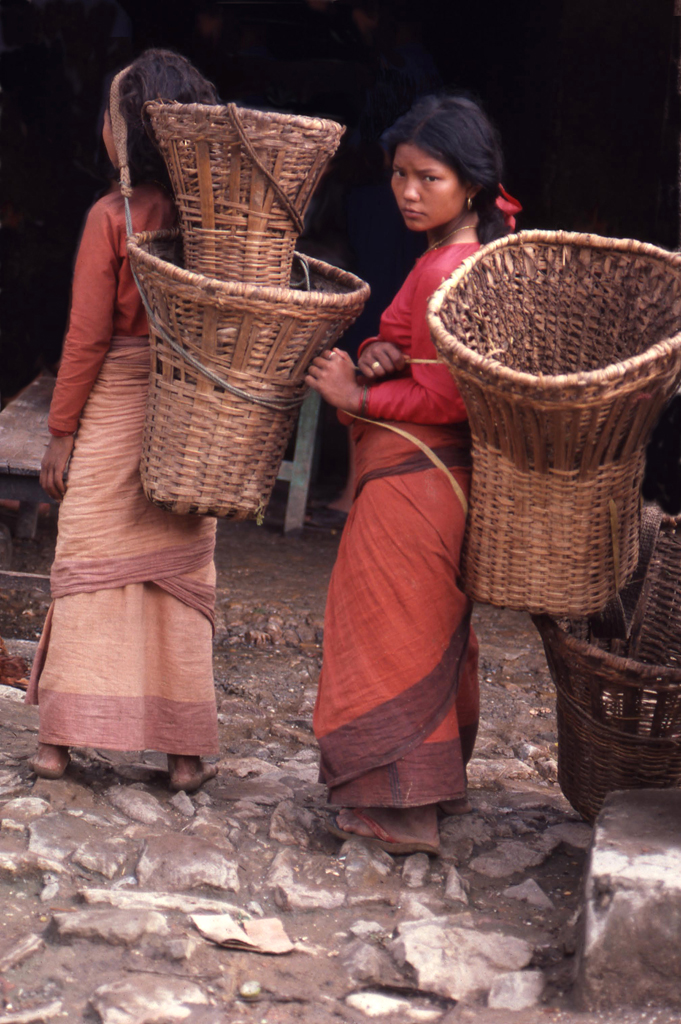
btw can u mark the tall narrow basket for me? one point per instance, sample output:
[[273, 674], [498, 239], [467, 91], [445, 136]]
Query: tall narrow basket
[[228, 362], [242, 180], [565, 349]]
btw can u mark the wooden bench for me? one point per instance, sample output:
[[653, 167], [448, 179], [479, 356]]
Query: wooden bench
[[298, 470], [24, 437]]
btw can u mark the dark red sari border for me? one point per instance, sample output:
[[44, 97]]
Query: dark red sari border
[[394, 728]]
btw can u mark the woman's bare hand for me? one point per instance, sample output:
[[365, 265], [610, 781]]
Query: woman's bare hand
[[381, 358], [53, 465], [333, 376]]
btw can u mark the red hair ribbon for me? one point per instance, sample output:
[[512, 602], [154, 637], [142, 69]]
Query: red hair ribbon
[[508, 206]]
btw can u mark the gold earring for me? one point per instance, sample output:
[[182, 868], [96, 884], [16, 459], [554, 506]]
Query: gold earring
[[469, 204]]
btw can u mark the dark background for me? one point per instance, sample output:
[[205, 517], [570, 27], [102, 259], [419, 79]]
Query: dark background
[[583, 91]]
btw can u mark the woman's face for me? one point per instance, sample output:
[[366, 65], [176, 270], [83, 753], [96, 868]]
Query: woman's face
[[429, 193], [108, 139]]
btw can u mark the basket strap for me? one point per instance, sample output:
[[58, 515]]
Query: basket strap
[[279, 404], [281, 195], [622, 617], [428, 452], [119, 130], [614, 532], [651, 521]]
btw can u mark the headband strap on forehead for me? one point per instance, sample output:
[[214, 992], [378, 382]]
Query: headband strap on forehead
[[119, 130]]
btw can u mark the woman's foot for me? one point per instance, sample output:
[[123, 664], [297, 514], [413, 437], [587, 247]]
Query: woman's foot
[[51, 761], [189, 773], [395, 829]]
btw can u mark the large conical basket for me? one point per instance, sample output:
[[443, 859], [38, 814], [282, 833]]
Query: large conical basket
[[227, 368], [565, 349], [242, 180]]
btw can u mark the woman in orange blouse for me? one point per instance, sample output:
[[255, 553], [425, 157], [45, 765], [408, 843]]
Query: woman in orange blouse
[[125, 659]]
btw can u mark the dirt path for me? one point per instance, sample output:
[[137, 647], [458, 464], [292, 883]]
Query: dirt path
[[99, 870]]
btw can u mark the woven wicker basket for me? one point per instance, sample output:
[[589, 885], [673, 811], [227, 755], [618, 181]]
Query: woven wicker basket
[[565, 350], [619, 701], [228, 362], [242, 181]]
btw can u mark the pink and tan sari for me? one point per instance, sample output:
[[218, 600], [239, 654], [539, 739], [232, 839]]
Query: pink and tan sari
[[125, 659]]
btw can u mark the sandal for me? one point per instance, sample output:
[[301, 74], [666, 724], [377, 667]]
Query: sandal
[[382, 839]]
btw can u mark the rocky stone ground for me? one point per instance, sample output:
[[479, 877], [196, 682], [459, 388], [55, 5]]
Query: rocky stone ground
[[123, 903]]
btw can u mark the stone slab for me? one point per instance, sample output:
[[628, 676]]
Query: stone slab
[[457, 962], [178, 863], [518, 990], [630, 951]]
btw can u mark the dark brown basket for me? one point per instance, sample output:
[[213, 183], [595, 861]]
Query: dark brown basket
[[565, 349], [619, 714], [656, 629], [228, 362], [242, 180]]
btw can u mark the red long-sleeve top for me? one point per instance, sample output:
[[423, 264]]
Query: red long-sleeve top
[[104, 300], [419, 394]]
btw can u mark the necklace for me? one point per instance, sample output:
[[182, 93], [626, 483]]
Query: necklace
[[436, 245]]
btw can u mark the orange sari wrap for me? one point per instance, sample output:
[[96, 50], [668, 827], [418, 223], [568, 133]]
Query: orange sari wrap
[[398, 705], [125, 658]]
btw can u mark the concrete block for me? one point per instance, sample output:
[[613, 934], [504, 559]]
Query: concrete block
[[630, 951]]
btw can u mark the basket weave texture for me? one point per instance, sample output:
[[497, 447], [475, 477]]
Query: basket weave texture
[[565, 349], [619, 714], [208, 451], [242, 181]]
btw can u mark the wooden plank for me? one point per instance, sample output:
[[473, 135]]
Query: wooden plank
[[24, 581], [23, 428], [301, 465]]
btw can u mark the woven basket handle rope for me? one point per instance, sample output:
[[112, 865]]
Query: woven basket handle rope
[[120, 134], [281, 195], [435, 459]]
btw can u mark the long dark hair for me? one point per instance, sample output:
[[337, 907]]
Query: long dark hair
[[455, 130], [154, 75]]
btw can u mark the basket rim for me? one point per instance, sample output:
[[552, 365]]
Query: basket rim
[[647, 674], [494, 371], [219, 110], [213, 288]]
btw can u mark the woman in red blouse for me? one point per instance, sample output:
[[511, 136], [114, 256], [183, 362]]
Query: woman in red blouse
[[397, 708]]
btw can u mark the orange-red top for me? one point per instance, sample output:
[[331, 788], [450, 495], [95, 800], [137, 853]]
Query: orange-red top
[[423, 393], [104, 301], [420, 393]]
